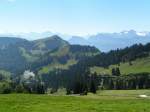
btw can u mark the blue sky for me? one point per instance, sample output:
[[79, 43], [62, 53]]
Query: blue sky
[[75, 17]]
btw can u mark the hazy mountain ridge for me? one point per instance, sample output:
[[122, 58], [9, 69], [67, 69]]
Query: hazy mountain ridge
[[111, 41], [103, 41]]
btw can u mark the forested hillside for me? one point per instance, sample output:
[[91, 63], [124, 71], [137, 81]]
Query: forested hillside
[[17, 55], [82, 77], [48, 64]]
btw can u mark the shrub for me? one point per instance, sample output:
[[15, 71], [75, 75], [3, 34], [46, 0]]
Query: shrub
[[5, 88], [19, 88]]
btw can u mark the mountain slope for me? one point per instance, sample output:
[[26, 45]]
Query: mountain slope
[[63, 58], [6, 41], [49, 43], [19, 54]]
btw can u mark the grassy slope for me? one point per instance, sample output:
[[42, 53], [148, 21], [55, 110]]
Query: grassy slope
[[139, 65], [56, 65], [64, 51], [27, 56], [105, 101]]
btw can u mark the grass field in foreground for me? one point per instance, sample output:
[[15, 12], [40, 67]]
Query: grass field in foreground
[[104, 101]]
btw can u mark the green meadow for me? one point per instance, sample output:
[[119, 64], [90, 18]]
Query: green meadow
[[103, 101], [138, 66]]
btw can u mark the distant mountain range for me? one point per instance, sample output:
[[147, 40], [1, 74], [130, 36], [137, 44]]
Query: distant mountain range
[[111, 41], [103, 41]]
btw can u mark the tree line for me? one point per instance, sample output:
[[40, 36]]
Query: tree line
[[75, 84]]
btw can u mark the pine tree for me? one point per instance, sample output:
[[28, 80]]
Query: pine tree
[[93, 86], [118, 71], [113, 71]]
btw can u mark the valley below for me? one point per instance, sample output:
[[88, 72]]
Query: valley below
[[51, 75]]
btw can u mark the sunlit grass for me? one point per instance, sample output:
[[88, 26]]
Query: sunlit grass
[[104, 101], [138, 66]]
